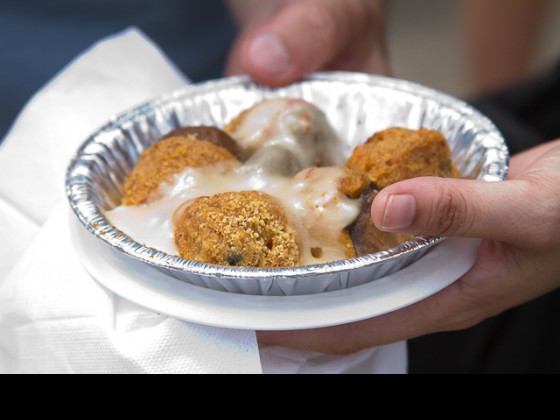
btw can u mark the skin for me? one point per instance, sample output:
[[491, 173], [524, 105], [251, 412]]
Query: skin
[[519, 219], [281, 40]]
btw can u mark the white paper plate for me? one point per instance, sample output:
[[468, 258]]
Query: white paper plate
[[167, 295], [357, 105]]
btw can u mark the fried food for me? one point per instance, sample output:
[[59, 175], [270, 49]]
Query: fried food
[[398, 154], [347, 244], [166, 158], [318, 208], [353, 184], [365, 236], [386, 158], [246, 229], [294, 124], [362, 237], [210, 134]]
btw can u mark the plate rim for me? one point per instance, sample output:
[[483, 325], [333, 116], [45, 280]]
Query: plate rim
[[157, 291], [100, 227]]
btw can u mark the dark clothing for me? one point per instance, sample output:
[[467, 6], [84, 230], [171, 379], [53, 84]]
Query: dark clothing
[[524, 339], [528, 114], [38, 38]]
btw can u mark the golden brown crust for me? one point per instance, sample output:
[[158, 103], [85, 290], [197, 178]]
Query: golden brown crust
[[347, 244], [353, 183], [248, 229], [168, 157], [397, 154], [365, 236], [210, 134]]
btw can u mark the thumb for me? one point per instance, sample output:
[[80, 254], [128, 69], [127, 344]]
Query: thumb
[[501, 211], [301, 37]]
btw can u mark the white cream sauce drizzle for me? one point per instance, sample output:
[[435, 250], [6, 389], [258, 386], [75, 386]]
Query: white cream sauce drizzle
[[311, 200], [295, 124], [282, 137]]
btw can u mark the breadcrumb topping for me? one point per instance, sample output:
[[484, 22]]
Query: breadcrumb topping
[[247, 228], [398, 154], [168, 157]]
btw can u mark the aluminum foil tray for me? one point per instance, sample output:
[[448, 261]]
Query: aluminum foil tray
[[357, 105]]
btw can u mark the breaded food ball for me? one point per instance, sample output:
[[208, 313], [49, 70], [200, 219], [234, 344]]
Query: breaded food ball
[[210, 134], [353, 184], [166, 158], [365, 236], [293, 123], [347, 244], [398, 154], [246, 229], [362, 237]]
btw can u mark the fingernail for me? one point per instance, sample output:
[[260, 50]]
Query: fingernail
[[269, 55], [399, 213]]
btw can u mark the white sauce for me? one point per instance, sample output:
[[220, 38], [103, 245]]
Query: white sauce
[[311, 200], [283, 136], [295, 124]]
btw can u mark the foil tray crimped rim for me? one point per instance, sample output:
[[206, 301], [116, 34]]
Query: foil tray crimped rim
[[80, 187]]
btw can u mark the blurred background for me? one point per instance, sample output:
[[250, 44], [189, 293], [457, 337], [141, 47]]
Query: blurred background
[[426, 40]]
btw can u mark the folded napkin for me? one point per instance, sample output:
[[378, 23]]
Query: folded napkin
[[54, 318], [118, 73]]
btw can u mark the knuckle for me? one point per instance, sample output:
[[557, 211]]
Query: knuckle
[[451, 214], [480, 296], [470, 313]]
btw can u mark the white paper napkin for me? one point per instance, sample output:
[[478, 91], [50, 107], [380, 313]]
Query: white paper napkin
[[54, 318], [114, 75]]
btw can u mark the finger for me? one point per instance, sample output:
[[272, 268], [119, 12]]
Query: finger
[[489, 288], [521, 162], [441, 312], [502, 211], [234, 66], [347, 339], [248, 14], [302, 37], [461, 305]]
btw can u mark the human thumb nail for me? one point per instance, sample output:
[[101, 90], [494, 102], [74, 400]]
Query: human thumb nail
[[399, 213]]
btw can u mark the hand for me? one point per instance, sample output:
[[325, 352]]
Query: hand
[[282, 40], [518, 261]]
